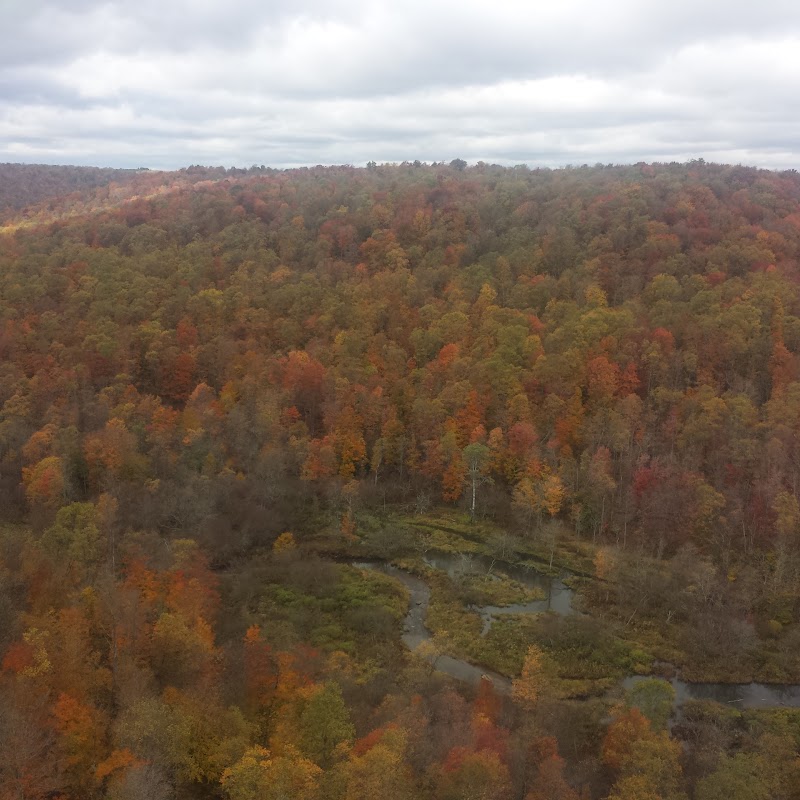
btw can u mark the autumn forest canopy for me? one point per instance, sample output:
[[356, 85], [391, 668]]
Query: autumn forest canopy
[[219, 389]]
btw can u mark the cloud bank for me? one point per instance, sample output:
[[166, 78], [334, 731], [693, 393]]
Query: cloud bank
[[171, 82]]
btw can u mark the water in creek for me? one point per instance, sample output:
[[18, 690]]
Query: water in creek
[[415, 632], [739, 695], [559, 600], [558, 596]]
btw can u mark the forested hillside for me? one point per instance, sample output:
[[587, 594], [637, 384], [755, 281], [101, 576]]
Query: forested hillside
[[216, 387], [25, 184]]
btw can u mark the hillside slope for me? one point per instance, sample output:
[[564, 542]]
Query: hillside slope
[[210, 377]]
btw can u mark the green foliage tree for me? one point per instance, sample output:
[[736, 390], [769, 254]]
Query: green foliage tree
[[325, 724], [654, 698], [743, 776]]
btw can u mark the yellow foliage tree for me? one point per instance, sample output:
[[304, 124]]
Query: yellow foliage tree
[[533, 496], [553, 494], [285, 543], [44, 482], [261, 775], [381, 772], [527, 688]]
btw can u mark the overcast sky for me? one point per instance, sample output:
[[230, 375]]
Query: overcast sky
[[167, 83]]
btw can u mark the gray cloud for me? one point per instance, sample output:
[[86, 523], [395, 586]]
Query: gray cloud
[[164, 84]]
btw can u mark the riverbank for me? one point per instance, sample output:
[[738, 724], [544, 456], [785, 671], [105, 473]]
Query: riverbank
[[639, 611], [421, 640]]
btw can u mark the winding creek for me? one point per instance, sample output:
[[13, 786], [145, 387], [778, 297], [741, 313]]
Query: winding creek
[[415, 632], [557, 596], [558, 599]]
